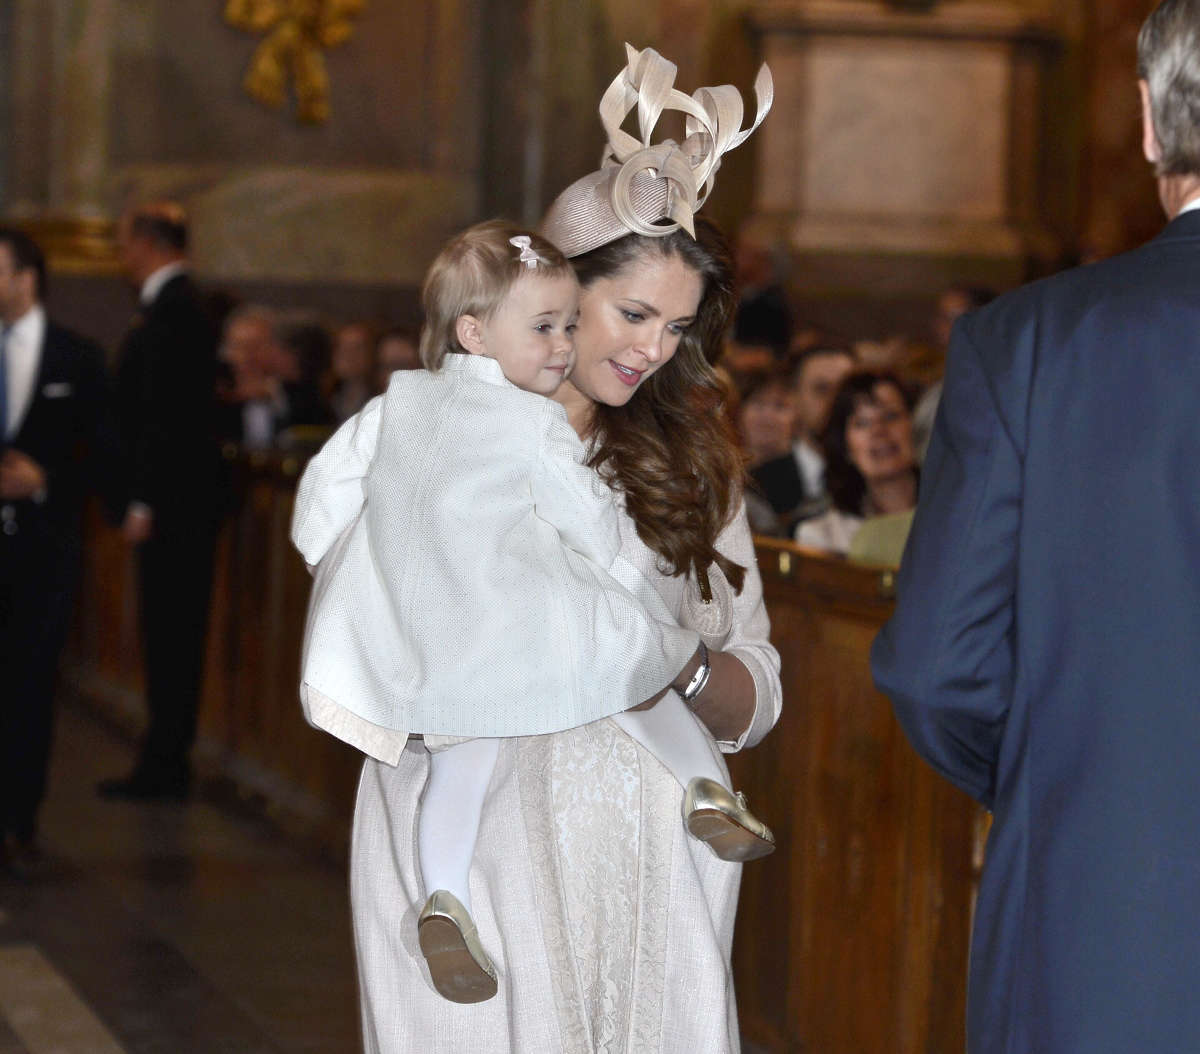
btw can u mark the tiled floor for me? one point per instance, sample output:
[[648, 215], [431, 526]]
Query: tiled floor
[[176, 929]]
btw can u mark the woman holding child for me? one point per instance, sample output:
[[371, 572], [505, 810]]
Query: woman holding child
[[602, 920]]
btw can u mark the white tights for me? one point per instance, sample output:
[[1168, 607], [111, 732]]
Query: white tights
[[448, 824]]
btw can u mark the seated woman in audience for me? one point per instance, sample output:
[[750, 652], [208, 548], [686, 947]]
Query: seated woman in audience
[[396, 350], [870, 468], [766, 418], [353, 369]]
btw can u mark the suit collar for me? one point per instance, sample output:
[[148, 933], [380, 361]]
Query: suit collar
[[154, 285], [1185, 225]]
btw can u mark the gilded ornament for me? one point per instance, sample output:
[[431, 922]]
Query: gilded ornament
[[296, 34]]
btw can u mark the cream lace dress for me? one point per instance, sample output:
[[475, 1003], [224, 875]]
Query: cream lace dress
[[610, 929]]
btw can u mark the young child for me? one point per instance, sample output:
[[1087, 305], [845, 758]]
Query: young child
[[468, 581]]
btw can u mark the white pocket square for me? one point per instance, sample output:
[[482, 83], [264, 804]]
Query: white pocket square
[[57, 390]]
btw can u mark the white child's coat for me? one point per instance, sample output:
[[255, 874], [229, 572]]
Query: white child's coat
[[469, 582]]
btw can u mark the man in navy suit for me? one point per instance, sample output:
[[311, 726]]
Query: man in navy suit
[[1045, 651], [166, 407], [53, 436]]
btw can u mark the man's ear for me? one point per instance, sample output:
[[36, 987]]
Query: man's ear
[[469, 331], [1151, 147]]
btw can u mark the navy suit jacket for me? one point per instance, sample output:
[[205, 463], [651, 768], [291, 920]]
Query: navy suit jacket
[[1045, 651]]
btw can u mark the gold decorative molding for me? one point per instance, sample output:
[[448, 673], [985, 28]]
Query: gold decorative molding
[[298, 33], [75, 246]]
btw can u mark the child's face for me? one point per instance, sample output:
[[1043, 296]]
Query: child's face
[[532, 333]]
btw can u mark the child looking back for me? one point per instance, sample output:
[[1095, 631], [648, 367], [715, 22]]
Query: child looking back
[[468, 584]]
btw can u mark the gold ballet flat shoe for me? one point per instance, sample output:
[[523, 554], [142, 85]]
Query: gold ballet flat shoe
[[458, 966], [724, 821]]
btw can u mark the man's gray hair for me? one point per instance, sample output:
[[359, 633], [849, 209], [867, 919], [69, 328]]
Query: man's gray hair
[[1169, 62]]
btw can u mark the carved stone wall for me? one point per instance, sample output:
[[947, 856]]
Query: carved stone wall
[[444, 113], [915, 137], [112, 102]]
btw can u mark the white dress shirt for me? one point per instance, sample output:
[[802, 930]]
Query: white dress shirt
[[23, 356], [152, 286], [811, 463], [832, 531], [1191, 206], [469, 578]]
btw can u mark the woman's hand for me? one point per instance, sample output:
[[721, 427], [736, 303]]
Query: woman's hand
[[726, 706]]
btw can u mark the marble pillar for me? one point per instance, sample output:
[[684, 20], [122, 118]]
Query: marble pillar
[[82, 79], [60, 57]]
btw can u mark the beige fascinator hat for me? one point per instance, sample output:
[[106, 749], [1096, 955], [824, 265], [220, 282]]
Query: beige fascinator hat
[[652, 188]]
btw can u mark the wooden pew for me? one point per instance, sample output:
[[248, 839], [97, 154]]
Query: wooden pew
[[251, 730], [852, 937]]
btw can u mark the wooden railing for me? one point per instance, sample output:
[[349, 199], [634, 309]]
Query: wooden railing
[[852, 937]]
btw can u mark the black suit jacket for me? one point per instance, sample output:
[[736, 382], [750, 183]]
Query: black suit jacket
[[166, 391], [68, 430]]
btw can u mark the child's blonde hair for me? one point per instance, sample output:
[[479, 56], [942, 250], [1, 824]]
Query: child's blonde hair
[[472, 275]]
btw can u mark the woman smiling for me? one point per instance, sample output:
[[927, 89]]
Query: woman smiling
[[871, 468]]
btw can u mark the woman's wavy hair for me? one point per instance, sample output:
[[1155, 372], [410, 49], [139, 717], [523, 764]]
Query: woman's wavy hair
[[846, 486], [671, 450]]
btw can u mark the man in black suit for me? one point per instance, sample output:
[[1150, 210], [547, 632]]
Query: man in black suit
[[53, 437], [166, 384]]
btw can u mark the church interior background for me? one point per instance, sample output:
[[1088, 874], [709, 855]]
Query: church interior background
[[324, 149]]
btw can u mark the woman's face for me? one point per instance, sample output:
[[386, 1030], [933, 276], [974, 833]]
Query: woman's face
[[630, 325], [767, 419], [879, 435]]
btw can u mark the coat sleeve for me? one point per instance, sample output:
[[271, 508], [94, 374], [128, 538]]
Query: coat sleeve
[[946, 658], [98, 433], [749, 636], [571, 497], [627, 643], [330, 493]]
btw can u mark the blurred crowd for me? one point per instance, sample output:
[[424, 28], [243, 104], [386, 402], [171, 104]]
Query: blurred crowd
[[289, 377], [834, 427]]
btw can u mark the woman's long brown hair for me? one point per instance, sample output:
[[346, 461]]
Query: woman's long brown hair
[[671, 449]]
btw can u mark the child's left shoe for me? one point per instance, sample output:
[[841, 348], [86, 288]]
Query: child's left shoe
[[460, 969], [724, 821]]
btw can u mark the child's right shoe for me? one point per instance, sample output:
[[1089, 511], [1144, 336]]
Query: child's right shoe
[[724, 821], [458, 966]]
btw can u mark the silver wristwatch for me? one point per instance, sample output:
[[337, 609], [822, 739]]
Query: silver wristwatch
[[699, 679]]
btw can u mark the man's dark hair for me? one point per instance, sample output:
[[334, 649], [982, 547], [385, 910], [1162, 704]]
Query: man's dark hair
[[798, 360], [27, 256], [167, 232]]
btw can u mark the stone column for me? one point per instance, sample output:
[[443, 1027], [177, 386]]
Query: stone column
[[60, 87], [82, 79], [31, 96]]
